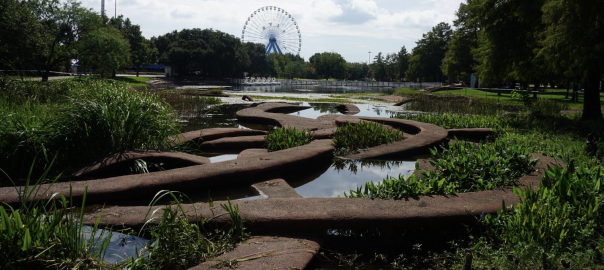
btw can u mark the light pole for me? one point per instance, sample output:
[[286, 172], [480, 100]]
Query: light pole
[[369, 59]]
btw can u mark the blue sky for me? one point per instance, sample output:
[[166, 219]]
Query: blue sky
[[349, 27]]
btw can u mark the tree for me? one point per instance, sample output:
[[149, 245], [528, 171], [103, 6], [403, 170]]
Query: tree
[[357, 71], [427, 57], [142, 51], [18, 33], [296, 69], [259, 64], [574, 43], [379, 67], [328, 65], [402, 63], [57, 33], [104, 50]]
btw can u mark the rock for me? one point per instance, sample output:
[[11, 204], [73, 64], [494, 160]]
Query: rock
[[247, 98]]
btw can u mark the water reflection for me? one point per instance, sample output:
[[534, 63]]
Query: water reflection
[[367, 110], [121, 246], [343, 175]]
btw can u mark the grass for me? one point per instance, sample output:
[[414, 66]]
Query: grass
[[59, 119], [462, 167], [133, 80], [38, 234], [177, 243], [450, 121], [353, 137], [287, 137]]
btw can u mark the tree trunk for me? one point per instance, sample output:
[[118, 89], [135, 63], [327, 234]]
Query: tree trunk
[[591, 97], [536, 89], [113, 74], [137, 70], [45, 75], [567, 89], [575, 91]]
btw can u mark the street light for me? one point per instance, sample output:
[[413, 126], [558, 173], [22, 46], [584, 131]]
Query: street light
[[369, 59]]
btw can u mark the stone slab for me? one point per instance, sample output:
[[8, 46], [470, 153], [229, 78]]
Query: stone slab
[[275, 188]]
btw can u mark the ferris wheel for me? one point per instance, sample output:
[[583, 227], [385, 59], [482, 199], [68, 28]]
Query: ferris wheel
[[275, 28]]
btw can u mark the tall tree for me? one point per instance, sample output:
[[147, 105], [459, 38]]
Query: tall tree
[[427, 57], [403, 63], [379, 67], [575, 43], [103, 50], [328, 65]]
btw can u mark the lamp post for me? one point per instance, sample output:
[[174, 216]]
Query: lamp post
[[369, 59]]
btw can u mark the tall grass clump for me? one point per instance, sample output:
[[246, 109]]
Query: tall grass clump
[[37, 234], [559, 220], [546, 108], [287, 137], [449, 120], [107, 118], [188, 105], [178, 243], [462, 167], [352, 137]]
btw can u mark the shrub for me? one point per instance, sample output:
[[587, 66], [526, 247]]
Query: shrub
[[178, 243], [546, 108], [109, 118], [560, 219], [449, 120], [287, 137], [463, 167], [365, 134]]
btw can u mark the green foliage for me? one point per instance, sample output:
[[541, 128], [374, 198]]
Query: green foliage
[[448, 103], [287, 137], [110, 118], [426, 60], [449, 120], [104, 50], [40, 233], [546, 108], [328, 65], [462, 167], [561, 218], [178, 243], [352, 137], [99, 116]]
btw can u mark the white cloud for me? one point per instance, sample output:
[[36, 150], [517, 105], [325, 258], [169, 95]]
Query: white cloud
[[349, 27]]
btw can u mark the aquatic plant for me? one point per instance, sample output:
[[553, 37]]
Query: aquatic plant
[[40, 233], [461, 167], [178, 243], [352, 137], [287, 137], [449, 120]]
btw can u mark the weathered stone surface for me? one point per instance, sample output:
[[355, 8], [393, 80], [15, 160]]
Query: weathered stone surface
[[426, 135], [252, 153], [474, 133], [247, 98], [348, 109], [275, 188], [234, 143], [209, 134], [268, 252], [120, 163], [272, 114], [332, 213], [200, 176]]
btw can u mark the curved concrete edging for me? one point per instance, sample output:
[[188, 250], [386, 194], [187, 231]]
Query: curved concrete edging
[[334, 213], [222, 173], [116, 162], [210, 134]]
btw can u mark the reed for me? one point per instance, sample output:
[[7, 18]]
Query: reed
[[352, 137], [287, 137]]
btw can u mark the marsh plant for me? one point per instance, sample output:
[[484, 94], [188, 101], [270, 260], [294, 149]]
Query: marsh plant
[[41, 233], [561, 219], [353, 137], [178, 243], [94, 119], [450, 120], [188, 105], [461, 167], [287, 137]]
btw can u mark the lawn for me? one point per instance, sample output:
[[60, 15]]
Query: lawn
[[133, 80]]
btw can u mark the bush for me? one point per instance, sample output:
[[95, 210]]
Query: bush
[[109, 118], [287, 137], [449, 120], [365, 134], [546, 108], [463, 167], [560, 219]]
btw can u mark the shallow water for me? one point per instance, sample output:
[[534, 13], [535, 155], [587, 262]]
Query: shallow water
[[343, 175], [319, 109], [121, 246]]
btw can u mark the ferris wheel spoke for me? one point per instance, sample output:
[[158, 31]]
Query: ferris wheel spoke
[[273, 24]]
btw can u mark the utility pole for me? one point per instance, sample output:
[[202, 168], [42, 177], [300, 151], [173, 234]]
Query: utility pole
[[102, 8], [115, 15], [369, 59]]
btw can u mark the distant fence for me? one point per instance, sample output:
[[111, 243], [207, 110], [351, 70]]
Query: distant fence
[[352, 83]]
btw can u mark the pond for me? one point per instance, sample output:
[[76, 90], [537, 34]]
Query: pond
[[287, 88]]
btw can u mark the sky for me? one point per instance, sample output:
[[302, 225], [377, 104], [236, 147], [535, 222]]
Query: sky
[[351, 28]]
